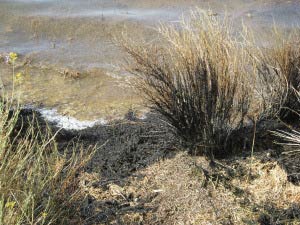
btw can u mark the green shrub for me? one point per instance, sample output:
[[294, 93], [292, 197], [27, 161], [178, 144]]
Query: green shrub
[[38, 183]]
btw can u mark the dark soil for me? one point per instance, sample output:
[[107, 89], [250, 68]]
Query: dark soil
[[128, 146]]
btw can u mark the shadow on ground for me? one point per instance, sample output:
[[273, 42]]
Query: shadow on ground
[[279, 216], [124, 147]]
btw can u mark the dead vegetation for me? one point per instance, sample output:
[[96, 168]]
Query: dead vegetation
[[211, 83], [73, 74], [187, 190], [195, 79], [278, 69]]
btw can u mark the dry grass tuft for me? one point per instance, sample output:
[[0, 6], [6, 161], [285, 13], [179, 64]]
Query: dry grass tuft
[[273, 199], [278, 71], [194, 77]]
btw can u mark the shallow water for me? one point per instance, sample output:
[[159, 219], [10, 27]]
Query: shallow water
[[76, 34]]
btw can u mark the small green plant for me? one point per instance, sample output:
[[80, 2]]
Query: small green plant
[[38, 183]]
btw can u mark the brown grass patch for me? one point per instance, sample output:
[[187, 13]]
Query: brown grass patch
[[194, 77]]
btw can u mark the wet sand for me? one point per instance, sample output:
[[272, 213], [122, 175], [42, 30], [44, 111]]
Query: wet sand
[[57, 36]]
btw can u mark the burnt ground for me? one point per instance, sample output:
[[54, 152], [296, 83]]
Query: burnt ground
[[139, 175]]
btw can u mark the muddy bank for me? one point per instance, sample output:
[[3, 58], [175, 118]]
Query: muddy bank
[[124, 143], [83, 94], [134, 142]]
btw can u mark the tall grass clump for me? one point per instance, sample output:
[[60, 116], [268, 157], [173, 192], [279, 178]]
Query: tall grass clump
[[278, 70], [194, 77], [38, 183]]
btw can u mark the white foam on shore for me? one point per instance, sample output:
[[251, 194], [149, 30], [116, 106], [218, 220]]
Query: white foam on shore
[[67, 122]]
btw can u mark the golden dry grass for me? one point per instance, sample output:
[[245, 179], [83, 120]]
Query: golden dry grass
[[194, 76], [178, 191], [277, 72]]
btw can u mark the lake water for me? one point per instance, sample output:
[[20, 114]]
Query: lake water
[[75, 36]]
